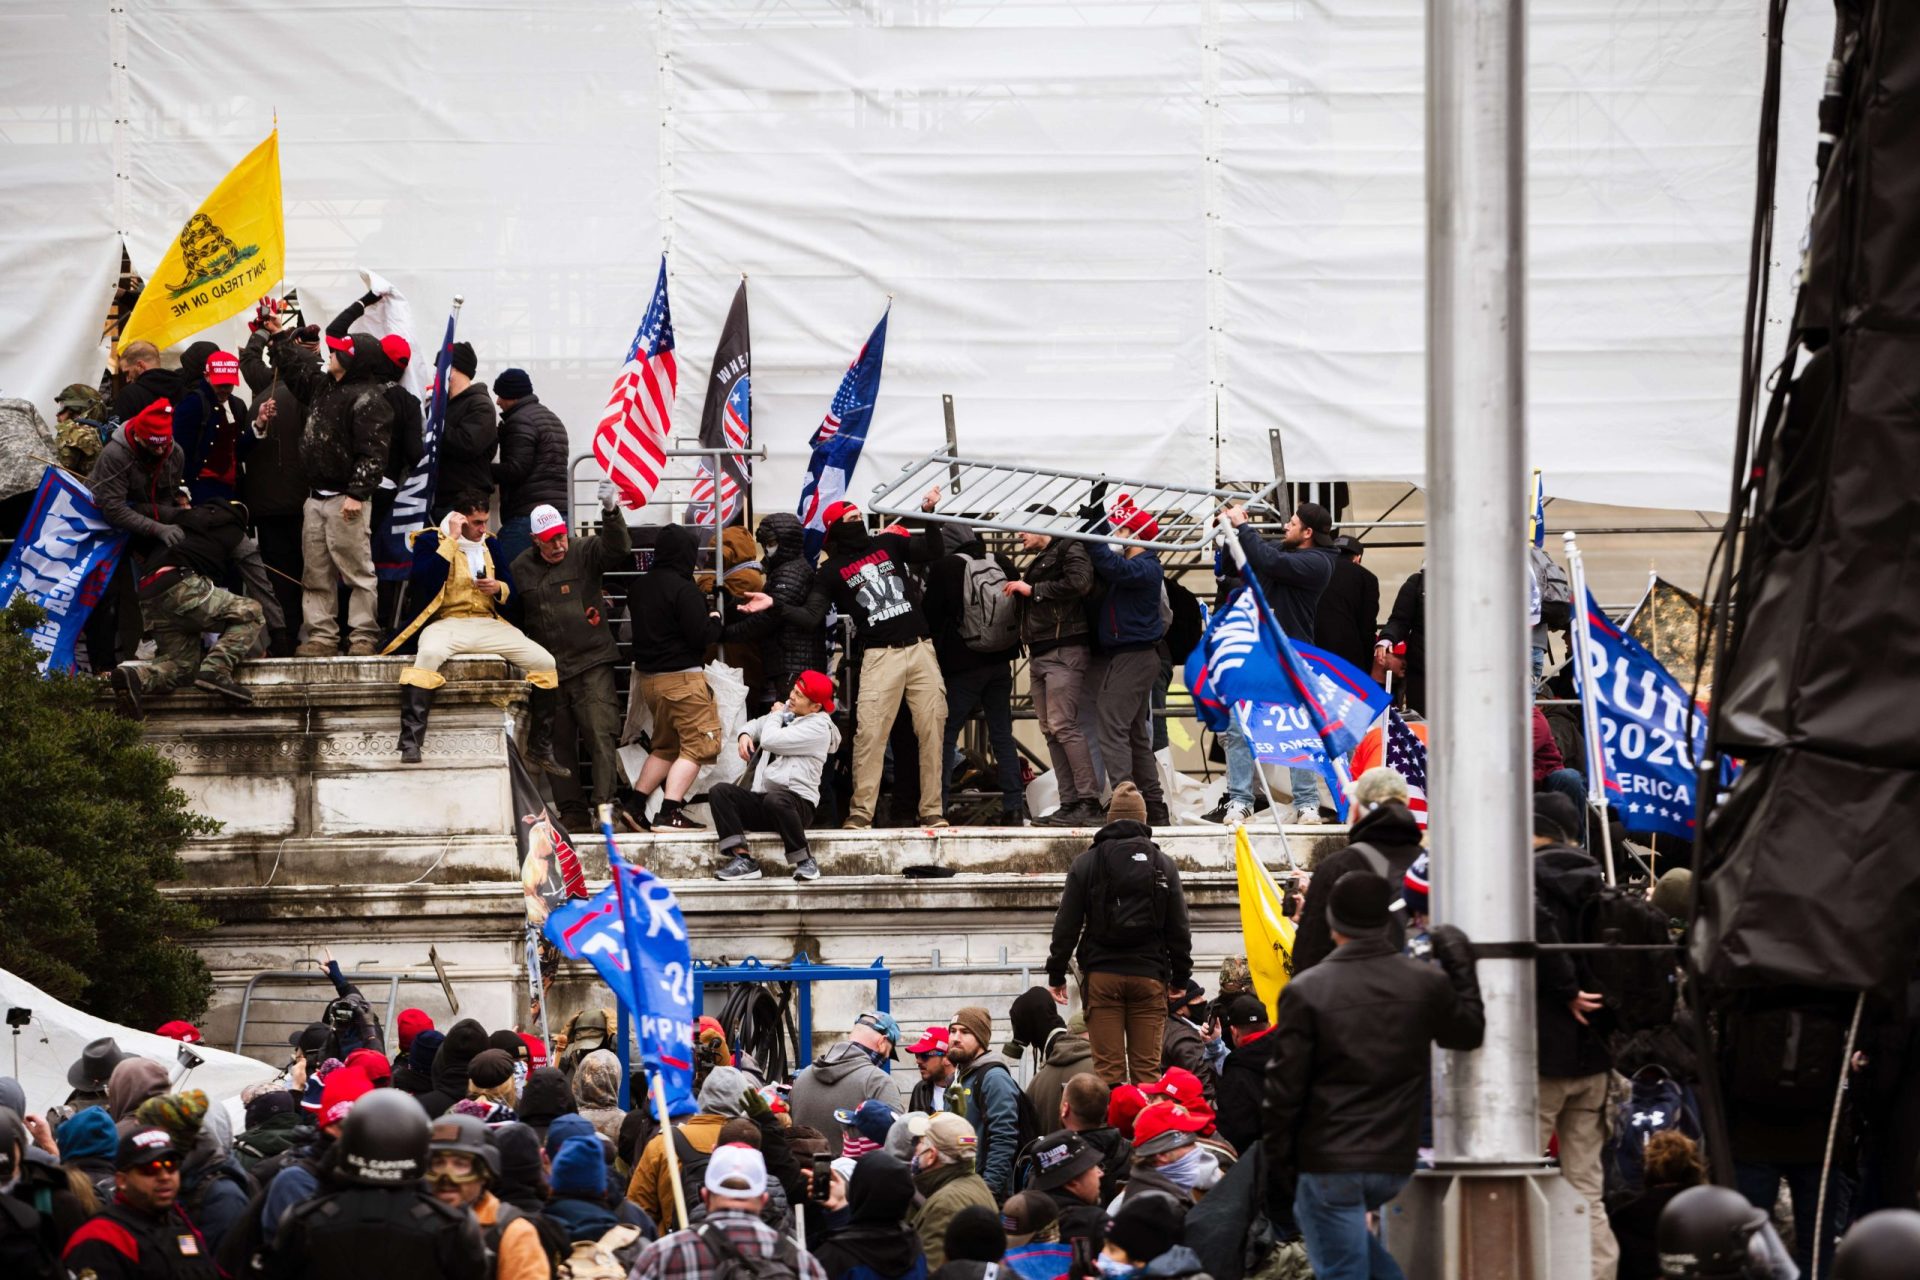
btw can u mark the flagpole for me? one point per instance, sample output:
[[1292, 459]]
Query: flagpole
[[1589, 708], [1240, 562], [657, 1086], [613, 857]]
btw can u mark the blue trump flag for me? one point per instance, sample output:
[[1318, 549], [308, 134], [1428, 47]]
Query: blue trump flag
[[393, 559], [634, 935], [840, 437], [1245, 657], [1648, 754], [61, 561]]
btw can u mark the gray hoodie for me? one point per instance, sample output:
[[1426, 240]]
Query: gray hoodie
[[793, 751], [842, 1077]]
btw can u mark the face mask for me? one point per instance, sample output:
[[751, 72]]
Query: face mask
[[848, 535], [1114, 1268], [1185, 1171]]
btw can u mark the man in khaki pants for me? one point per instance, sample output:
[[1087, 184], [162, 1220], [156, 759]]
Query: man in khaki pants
[[865, 578]]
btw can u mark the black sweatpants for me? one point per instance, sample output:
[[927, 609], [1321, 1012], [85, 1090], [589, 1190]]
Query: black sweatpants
[[737, 811]]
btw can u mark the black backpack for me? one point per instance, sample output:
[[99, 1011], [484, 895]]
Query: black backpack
[[1784, 1059], [243, 1251], [25, 1250], [1639, 987], [730, 1265], [693, 1175], [553, 1237], [1128, 893]]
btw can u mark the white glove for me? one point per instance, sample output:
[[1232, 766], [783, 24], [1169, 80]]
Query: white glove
[[609, 496]]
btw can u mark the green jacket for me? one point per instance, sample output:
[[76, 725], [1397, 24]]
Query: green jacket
[[947, 1188], [564, 608]]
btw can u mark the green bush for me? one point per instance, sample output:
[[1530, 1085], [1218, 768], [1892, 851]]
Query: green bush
[[89, 825]]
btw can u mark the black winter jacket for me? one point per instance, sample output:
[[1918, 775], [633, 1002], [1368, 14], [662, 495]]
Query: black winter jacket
[[1073, 929], [1353, 1053], [1348, 615], [1292, 580], [1395, 832], [673, 620], [1243, 1078], [533, 459], [214, 531], [946, 581], [1407, 624], [155, 384], [1565, 880], [467, 444], [274, 482], [349, 421], [563, 606], [1061, 576], [786, 647]]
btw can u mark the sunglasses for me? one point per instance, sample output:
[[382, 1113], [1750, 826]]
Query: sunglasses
[[927, 1057], [154, 1168]]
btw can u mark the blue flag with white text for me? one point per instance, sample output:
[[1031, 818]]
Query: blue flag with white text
[[642, 954], [1648, 753], [393, 558], [62, 560], [841, 435]]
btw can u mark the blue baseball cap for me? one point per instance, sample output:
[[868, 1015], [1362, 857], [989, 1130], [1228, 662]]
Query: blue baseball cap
[[885, 1025], [872, 1119]]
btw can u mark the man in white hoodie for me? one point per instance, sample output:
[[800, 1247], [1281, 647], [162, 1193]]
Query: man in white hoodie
[[793, 740]]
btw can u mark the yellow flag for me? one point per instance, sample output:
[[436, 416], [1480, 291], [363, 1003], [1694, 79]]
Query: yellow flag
[[232, 250], [1264, 926]]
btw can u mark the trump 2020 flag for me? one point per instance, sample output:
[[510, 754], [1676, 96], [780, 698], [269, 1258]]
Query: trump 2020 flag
[[61, 561], [1647, 754], [842, 433], [393, 559], [1245, 657], [726, 420], [632, 932]]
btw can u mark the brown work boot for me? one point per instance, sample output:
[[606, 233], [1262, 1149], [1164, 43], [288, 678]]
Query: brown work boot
[[364, 649], [317, 649]]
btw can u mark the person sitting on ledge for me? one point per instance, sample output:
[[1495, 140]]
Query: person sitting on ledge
[[794, 740], [455, 597]]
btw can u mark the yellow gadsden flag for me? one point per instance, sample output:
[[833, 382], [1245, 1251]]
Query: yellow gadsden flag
[[232, 250], [1263, 925]]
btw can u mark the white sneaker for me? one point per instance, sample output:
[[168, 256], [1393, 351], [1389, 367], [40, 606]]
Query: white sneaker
[[1307, 818], [1236, 814]]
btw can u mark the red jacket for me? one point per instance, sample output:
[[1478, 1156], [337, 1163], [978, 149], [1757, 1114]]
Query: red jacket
[[1546, 755]]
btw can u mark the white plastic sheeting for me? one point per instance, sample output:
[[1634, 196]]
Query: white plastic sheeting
[[1123, 234]]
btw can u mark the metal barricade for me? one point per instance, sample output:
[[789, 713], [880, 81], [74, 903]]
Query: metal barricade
[[1003, 495], [275, 1046], [803, 973]]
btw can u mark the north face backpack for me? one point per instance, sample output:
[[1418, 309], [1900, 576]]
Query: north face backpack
[[989, 617], [1128, 893]]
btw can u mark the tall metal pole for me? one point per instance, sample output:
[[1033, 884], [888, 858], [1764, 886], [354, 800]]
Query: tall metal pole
[[1476, 591]]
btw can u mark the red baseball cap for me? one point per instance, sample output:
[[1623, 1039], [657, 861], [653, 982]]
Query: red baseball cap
[[344, 1087], [397, 348], [836, 511], [817, 687], [343, 345], [223, 369], [934, 1041], [153, 424], [184, 1032], [412, 1022], [1160, 1120], [373, 1063], [1124, 1107], [536, 1050], [1182, 1086]]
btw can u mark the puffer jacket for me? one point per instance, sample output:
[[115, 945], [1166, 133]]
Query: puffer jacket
[[1391, 829], [349, 421], [533, 459], [1056, 613], [786, 649]]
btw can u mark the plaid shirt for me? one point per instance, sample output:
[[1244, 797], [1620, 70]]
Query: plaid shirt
[[682, 1256]]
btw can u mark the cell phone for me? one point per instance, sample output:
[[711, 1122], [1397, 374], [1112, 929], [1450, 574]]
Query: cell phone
[[822, 1178]]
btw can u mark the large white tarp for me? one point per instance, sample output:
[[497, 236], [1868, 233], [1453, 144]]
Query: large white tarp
[[1123, 234]]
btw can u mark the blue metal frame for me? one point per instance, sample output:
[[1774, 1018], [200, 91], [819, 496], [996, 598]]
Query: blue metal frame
[[800, 969]]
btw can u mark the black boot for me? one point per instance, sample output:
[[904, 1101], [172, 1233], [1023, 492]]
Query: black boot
[[415, 703], [541, 704]]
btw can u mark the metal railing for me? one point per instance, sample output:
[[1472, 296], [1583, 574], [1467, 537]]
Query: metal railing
[[277, 1048]]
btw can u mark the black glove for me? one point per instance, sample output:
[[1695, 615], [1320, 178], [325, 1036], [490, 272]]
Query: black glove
[[369, 298], [1094, 510], [1452, 948]]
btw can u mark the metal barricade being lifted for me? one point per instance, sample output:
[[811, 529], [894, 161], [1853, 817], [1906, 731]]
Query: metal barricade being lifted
[[1017, 499]]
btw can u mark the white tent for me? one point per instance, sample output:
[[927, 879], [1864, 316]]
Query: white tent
[[52, 1039], [1136, 232]]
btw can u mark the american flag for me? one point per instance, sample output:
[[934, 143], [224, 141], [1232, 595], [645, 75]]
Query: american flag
[[631, 440], [738, 436], [1407, 756]]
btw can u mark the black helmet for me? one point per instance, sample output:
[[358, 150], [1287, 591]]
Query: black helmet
[[1880, 1245], [384, 1142], [465, 1135], [1705, 1232]]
